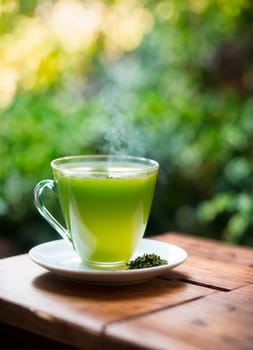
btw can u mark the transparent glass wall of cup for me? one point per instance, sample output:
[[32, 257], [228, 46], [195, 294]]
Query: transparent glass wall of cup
[[105, 201]]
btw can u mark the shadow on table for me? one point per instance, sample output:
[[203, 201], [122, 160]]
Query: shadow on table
[[56, 284], [14, 338]]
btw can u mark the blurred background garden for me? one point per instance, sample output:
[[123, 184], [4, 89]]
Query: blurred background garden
[[170, 80]]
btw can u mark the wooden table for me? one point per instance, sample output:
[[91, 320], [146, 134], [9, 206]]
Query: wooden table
[[205, 303]]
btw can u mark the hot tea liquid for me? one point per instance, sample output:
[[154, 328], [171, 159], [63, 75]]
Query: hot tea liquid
[[106, 208]]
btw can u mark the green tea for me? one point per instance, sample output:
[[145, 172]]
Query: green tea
[[106, 207]]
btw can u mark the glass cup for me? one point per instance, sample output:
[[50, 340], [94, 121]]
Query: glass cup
[[105, 201]]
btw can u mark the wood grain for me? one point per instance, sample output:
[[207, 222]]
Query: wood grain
[[219, 321], [205, 303], [215, 274], [210, 249], [67, 311], [212, 263]]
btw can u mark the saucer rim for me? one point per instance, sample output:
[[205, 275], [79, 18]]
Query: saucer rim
[[126, 276]]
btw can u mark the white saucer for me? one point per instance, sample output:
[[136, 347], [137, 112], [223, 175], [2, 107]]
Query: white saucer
[[58, 257]]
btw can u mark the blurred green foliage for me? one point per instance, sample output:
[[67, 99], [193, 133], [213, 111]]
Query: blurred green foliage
[[176, 86]]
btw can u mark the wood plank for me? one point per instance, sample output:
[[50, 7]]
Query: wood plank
[[215, 274], [67, 311], [210, 249], [219, 321], [211, 263]]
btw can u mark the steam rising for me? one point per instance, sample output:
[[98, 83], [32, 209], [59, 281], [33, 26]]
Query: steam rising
[[119, 128], [122, 137]]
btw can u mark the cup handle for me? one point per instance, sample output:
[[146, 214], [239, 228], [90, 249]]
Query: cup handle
[[39, 205]]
